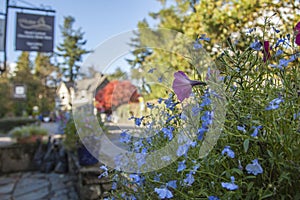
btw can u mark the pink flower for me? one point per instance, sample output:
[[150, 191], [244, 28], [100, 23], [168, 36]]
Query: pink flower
[[182, 85], [266, 51], [297, 29]]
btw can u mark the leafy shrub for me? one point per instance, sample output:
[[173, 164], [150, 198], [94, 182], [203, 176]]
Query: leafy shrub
[[27, 131], [6, 124], [72, 138]]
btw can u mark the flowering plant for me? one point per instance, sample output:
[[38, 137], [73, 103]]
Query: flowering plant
[[255, 152]]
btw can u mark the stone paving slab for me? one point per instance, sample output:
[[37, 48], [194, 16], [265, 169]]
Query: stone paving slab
[[5, 180], [5, 196], [38, 186], [34, 195], [30, 185], [6, 189]]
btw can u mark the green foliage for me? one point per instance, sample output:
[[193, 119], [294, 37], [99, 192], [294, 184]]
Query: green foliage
[[71, 49], [43, 65], [218, 19], [6, 124], [5, 93], [27, 131], [38, 92], [118, 75], [72, 138], [43, 70], [250, 86]]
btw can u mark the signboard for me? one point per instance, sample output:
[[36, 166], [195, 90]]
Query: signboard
[[19, 91], [2, 29], [34, 32]]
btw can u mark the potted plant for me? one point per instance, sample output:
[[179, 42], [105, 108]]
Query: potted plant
[[72, 143], [28, 134]]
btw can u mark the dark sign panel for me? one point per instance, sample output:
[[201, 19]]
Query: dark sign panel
[[34, 32], [19, 91]]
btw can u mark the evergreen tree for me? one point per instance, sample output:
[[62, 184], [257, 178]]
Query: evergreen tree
[[24, 67], [24, 76], [118, 75], [43, 72], [5, 93], [43, 65], [71, 49]]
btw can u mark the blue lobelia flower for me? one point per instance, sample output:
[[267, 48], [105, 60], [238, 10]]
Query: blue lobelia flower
[[207, 118], [241, 128], [201, 132], [183, 149], [256, 45], [274, 104], [150, 105], [213, 198], [160, 100], [138, 121], [163, 193], [230, 185], [160, 79], [132, 197], [138, 145], [170, 118], [168, 132], [150, 71], [105, 173], [140, 159], [276, 30], [189, 180], [256, 129], [181, 166], [296, 115], [114, 186], [228, 151], [109, 198], [254, 168], [197, 45], [183, 116], [157, 177], [125, 137], [206, 100], [278, 53], [172, 184], [250, 30], [135, 178], [204, 38], [170, 104]]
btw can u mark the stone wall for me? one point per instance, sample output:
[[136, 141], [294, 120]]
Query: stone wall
[[17, 158], [20, 158]]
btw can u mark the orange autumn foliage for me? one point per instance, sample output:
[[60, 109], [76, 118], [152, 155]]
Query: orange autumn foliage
[[114, 94]]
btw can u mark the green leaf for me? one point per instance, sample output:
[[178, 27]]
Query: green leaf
[[270, 153], [269, 194], [238, 171], [246, 145]]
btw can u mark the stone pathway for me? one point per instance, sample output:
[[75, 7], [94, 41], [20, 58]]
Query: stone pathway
[[38, 186]]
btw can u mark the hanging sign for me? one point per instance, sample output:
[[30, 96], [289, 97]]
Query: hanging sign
[[34, 32]]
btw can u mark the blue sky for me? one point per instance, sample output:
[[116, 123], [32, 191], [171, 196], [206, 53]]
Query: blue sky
[[99, 19]]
